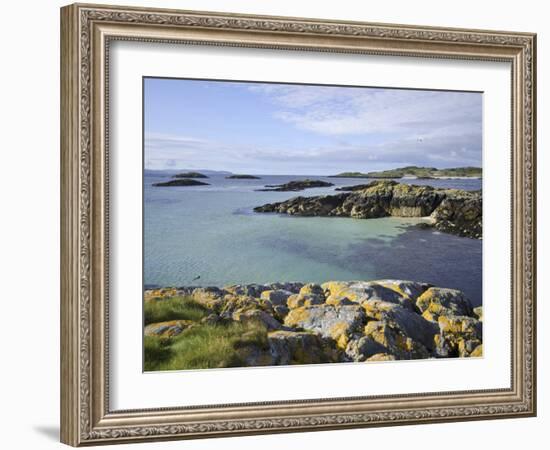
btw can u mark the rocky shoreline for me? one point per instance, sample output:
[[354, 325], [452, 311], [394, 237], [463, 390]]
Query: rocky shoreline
[[337, 321], [452, 211]]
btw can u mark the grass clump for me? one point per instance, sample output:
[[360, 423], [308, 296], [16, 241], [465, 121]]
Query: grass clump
[[206, 346], [174, 308], [156, 351]]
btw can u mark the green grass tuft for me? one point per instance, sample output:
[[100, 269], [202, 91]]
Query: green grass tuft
[[205, 346], [174, 308], [156, 351]]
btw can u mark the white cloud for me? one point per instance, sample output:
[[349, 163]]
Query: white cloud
[[353, 111]]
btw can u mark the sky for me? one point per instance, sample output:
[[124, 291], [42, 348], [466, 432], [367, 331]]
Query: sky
[[278, 129]]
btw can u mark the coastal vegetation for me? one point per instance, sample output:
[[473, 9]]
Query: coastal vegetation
[[449, 210], [181, 182], [298, 185], [297, 323], [173, 308], [416, 172]]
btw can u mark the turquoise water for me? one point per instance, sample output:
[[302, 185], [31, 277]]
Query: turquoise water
[[211, 232]]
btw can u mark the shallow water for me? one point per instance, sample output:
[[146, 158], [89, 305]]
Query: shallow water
[[211, 232]]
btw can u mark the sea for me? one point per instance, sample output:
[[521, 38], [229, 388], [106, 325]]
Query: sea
[[210, 236]]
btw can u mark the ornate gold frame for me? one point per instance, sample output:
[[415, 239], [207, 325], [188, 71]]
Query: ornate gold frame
[[86, 31]]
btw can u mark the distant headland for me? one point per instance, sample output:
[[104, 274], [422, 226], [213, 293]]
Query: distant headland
[[416, 172]]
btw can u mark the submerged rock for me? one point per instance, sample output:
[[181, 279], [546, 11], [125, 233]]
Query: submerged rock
[[450, 210]]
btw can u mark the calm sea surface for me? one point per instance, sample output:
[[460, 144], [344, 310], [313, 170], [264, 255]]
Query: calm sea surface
[[212, 232]]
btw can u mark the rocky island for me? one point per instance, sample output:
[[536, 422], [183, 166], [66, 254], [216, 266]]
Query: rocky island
[[297, 323], [190, 175], [243, 177], [298, 185], [417, 172], [449, 210], [181, 182]]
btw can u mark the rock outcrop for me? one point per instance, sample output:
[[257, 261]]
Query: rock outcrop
[[337, 321], [190, 175], [242, 177], [180, 182], [450, 210], [293, 186]]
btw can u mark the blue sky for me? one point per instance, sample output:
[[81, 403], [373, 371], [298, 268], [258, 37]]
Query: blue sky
[[261, 128]]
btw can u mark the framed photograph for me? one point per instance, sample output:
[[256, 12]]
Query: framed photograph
[[276, 224]]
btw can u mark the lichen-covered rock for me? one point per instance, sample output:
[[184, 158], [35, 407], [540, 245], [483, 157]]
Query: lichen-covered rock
[[338, 300], [437, 302], [405, 321], [169, 328], [210, 297], [280, 312], [478, 313], [460, 325], [300, 347], [394, 341], [259, 317], [249, 290], [233, 304], [459, 336], [299, 300], [341, 323], [157, 294], [338, 321], [393, 291], [451, 210], [381, 357], [276, 297], [405, 288], [363, 348], [293, 286], [312, 289], [377, 309], [460, 213], [477, 352]]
